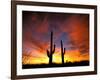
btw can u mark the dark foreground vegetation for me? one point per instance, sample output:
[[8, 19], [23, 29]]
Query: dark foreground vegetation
[[67, 64]]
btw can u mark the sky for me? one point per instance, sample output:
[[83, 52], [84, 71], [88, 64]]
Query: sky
[[71, 28]]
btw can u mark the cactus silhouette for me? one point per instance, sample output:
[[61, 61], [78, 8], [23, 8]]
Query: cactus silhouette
[[62, 52], [52, 49]]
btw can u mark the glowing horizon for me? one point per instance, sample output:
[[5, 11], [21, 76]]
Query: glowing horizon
[[70, 56]]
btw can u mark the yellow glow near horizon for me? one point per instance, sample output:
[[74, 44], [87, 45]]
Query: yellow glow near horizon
[[32, 60], [70, 56]]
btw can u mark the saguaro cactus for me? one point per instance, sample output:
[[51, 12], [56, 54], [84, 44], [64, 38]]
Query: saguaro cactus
[[62, 52], [52, 49]]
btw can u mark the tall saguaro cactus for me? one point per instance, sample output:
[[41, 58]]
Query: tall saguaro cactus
[[62, 52], [52, 49]]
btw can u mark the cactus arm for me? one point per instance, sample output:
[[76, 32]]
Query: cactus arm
[[64, 50], [53, 49]]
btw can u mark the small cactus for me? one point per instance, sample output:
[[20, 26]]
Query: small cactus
[[62, 52]]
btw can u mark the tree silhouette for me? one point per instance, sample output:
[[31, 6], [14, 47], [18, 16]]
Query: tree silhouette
[[62, 52], [52, 49]]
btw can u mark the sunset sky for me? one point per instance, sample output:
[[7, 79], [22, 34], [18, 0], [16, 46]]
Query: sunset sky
[[72, 29]]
